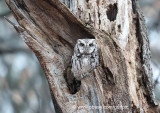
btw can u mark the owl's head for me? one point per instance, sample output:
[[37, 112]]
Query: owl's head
[[86, 46]]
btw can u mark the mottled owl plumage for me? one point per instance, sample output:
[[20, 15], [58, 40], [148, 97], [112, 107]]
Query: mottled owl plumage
[[85, 58]]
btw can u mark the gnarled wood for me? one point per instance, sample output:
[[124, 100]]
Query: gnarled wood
[[121, 80]]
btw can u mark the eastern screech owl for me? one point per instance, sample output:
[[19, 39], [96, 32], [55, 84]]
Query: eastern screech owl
[[85, 58]]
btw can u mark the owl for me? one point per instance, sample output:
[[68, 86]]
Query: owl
[[85, 58]]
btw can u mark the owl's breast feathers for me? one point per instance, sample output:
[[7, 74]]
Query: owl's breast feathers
[[83, 64]]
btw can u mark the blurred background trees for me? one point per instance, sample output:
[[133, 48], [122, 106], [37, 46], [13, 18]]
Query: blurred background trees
[[151, 9], [23, 86]]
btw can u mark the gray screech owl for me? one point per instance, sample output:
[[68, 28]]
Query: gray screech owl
[[85, 58]]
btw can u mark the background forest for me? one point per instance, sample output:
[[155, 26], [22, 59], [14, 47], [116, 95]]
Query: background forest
[[23, 86]]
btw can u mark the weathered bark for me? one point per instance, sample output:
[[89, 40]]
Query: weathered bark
[[123, 78]]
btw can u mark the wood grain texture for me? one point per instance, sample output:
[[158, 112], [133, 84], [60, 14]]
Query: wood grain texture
[[123, 78]]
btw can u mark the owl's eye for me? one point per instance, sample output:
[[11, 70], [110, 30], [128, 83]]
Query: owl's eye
[[91, 45], [81, 44]]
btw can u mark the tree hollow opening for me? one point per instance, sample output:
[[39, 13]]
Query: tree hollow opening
[[112, 12]]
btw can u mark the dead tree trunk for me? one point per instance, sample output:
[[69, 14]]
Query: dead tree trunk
[[121, 83]]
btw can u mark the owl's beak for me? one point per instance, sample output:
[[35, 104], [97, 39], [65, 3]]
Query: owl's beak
[[86, 53]]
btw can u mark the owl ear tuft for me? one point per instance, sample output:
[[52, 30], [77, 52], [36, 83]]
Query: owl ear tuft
[[79, 41], [94, 41]]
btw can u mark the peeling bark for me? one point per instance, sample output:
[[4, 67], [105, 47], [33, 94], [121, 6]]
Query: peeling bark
[[123, 78]]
